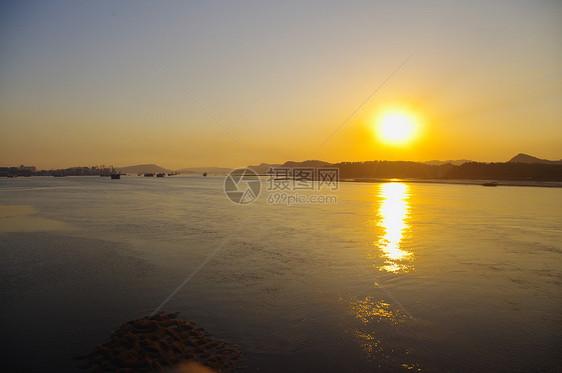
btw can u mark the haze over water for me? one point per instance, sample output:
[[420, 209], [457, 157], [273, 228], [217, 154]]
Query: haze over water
[[394, 276]]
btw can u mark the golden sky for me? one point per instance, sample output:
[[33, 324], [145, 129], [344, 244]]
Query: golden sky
[[80, 82]]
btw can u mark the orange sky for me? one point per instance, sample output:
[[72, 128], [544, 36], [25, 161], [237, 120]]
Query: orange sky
[[79, 84]]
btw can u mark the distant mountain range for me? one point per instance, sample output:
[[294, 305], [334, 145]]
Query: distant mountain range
[[519, 158], [264, 167], [367, 168], [525, 158], [260, 169], [142, 168], [200, 170]]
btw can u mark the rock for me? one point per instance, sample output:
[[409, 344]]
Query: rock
[[149, 343]]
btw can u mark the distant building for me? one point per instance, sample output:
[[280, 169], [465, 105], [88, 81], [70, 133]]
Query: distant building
[[32, 169], [18, 171]]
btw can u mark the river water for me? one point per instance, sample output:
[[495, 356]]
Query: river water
[[393, 277]]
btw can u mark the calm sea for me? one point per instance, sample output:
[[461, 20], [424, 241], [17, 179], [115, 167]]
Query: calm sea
[[393, 277]]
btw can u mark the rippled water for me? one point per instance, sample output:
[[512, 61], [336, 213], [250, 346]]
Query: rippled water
[[395, 276]]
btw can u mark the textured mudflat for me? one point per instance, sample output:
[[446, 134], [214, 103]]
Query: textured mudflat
[[152, 343]]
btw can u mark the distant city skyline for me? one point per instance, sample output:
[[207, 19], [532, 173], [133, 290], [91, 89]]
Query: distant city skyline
[[86, 83]]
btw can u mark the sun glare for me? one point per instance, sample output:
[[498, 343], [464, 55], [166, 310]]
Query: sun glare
[[397, 128]]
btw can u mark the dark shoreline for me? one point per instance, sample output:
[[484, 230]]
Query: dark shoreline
[[515, 183]]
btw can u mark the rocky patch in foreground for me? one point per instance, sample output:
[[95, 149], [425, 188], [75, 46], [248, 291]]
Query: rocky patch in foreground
[[152, 343]]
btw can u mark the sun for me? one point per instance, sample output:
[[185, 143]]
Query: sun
[[397, 127]]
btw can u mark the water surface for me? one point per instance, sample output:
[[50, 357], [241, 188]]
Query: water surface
[[395, 276]]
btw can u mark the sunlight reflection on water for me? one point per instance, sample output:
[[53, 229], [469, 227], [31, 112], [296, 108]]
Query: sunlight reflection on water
[[376, 317], [394, 216], [371, 310]]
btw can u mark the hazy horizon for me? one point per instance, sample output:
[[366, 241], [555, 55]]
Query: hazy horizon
[[99, 83], [117, 166]]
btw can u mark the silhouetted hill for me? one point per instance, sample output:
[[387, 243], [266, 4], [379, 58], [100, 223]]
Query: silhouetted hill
[[308, 163], [470, 170], [391, 169], [506, 171], [142, 168], [456, 162], [262, 168], [525, 158], [200, 170]]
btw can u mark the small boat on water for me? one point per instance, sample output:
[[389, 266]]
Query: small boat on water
[[149, 174], [204, 174], [161, 174], [114, 174], [490, 184]]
